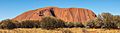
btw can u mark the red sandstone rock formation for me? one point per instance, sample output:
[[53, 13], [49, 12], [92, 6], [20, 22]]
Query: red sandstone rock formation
[[66, 14]]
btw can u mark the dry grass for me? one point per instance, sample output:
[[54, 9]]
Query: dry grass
[[60, 30]]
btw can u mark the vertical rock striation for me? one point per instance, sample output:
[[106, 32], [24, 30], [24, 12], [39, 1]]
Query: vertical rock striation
[[66, 14]]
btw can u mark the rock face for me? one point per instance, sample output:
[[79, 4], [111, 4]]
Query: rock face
[[66, 14]]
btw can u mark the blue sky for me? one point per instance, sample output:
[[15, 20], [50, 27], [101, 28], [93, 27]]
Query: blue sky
[[12, 8]]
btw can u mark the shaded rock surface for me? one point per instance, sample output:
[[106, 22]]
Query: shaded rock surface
[[66, 14]]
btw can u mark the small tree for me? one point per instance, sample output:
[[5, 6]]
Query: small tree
[[51, 23], [109, 20]]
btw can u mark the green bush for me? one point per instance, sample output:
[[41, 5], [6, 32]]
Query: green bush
[[51, 23], [69, 24], [7, 24], [29, 24], [73, 24]]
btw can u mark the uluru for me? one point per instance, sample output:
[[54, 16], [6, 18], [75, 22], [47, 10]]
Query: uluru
[[66, 14]]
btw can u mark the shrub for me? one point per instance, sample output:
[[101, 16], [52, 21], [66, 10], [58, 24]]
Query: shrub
[[118, 25], [90, 25], [99, 24], [51, 23], [109, 20], [73, 24], [110, 25], [95, 24], [78, 24], [7, 24], [29, 24], [69, 24], [116, 19]]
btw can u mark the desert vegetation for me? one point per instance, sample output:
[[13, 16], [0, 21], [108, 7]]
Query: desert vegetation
[[51, 23], [45, 23], [105, 20]]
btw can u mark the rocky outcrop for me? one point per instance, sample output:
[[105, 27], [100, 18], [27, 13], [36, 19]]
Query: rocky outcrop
[[66, 14]]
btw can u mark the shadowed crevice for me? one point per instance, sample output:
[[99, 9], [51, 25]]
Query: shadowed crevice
[[52, 12]]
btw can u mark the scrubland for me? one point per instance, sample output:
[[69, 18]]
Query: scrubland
[[59, 30]]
